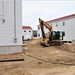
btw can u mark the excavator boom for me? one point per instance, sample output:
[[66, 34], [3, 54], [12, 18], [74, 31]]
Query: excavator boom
[[45, 24], [42, 24]]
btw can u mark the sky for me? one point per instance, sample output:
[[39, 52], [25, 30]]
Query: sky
[[47, 10]]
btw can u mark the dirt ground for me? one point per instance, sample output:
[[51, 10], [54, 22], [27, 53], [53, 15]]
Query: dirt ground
[[38, 60]]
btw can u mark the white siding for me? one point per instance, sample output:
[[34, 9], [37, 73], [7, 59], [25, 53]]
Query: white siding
[[0, 7], [7, 28], [69, 27], [39, 34], [27, 33], [39, 31]]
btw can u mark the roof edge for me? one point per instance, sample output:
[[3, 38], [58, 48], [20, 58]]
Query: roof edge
[[64, 17]]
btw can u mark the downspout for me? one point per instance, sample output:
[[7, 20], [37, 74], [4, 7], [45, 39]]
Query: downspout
[[15, 38], [2, 8], [3, 20]]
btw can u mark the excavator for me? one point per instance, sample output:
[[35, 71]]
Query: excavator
[[54, 38]]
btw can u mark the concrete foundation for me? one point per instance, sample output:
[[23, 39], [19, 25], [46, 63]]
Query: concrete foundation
[[10, 49]]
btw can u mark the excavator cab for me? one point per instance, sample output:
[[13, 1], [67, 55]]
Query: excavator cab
[[56, 35], [56, 38]]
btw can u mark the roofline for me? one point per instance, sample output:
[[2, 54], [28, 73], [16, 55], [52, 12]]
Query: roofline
[[64, 17], [28, 27]]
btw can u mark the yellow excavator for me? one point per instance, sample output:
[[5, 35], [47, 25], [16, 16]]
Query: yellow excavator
[[54, 38]]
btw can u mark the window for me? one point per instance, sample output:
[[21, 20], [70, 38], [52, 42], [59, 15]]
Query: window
[[24, 30], [63, 23], [38, 35], [51, 25], [38, 28], [29, 31], [56, 25]]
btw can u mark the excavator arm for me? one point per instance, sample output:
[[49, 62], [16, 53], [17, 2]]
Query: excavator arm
[[42, 24], [45, 24]]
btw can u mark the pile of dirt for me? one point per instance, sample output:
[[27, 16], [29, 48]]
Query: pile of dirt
[[67, 47]]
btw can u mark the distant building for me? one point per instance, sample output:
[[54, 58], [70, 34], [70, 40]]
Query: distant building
[[35, 33], [10, 26], [27, 32], [65, 23]]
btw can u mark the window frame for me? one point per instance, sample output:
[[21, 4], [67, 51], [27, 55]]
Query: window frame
[[38, 34], [29, 30], [24, 30], [56, 24], [63, 23], [38, 27]]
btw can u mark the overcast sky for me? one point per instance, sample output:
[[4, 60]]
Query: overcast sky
[[46, 10]]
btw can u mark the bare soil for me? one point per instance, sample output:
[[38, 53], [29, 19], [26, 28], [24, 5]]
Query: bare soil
[[38, 60]]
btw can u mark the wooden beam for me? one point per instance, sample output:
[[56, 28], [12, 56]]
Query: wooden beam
[[11, 60]]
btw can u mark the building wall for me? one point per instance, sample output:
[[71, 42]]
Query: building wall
[[39, 33], [35, 33], [27, 33], [68, 28], [10, 32]]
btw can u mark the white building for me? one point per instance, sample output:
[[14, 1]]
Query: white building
[[66, 23], [10, 26], [27, 32]]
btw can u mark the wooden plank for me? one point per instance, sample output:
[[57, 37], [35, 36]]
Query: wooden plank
[[11, 60]]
